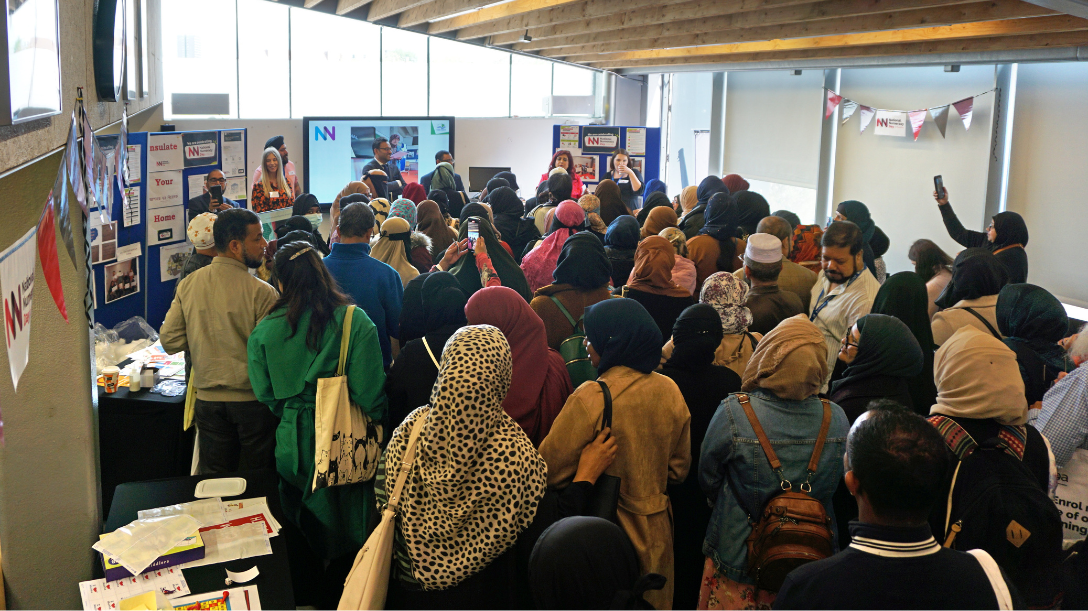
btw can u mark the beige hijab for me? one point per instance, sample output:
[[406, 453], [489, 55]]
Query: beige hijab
[[592, 206], [688, 198], [790, 360], [977, 377], [391, 251]]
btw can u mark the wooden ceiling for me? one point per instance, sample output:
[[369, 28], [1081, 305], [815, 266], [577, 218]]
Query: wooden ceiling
[[630, 34]]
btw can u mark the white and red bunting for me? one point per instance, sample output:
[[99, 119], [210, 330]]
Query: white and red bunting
[[867, 115], [833, 100], [848, 109], [966, 108], [917, 117]]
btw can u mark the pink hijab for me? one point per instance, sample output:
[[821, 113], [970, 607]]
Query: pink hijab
[[539, 264]]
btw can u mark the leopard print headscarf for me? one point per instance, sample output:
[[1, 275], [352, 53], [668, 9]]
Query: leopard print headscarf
[[477, 479]]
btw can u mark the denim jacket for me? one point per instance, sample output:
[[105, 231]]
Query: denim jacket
[[731, 443]]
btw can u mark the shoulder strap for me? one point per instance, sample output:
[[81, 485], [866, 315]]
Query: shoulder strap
[[818, 449], [768, 450], [984, 321], [570, 319], [345, 340], [607, 403], [776, 465], [431, 354], [751, 339], [406, 464], [997, 580]]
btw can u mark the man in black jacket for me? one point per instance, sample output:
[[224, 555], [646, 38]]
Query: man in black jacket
[[439, 157], [203, 203], [895, 464], [383, 153]]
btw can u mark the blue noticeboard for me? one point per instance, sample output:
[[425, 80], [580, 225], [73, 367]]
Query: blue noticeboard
[[595, 144]]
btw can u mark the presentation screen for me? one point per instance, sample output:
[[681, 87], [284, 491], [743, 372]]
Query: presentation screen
[[337, 148]]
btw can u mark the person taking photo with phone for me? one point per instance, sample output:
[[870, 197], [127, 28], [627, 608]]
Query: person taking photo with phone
[[1006, 236], [627, 178], [212, 200]]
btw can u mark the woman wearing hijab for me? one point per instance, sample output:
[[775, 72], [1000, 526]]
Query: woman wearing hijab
[[556, 190], [584, 562], [539, 263], [933, 266], [659, 218], [580, 279], [652, 284], [540, 383], [620, 242], [904, 296], [696, 335], [683, 273], [415, 192], [1033, 322], [444, 180], [735, 183], [433, 225], [380, 207], [502, 262], [394, 248], [717, 248], [475, 485], [654, 200], [293, 347], [412, 319], [592, 206], [1006, 237], [649, 420], [612, 206], [881, 356], [694, 219], [406, 209], [970, 299], [508, 212], [726, 294], [420, 245], [688, 199], [858, 214], [491, 185], [563, 159], [271, 192], [980, 397], [751, 209], [781, 381], [412, 374], [655, 185]]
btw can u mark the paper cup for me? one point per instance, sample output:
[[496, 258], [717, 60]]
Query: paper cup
[[111, 376]]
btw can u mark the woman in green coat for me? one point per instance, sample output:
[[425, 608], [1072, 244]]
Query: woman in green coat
[[294, 346]]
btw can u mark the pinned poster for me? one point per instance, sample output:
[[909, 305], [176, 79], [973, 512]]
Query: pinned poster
[[200, 148], [164, 153], [833, 100], [568, 136], [195, 183], [164, 189], [917, 117], [132, 163], [890, 123], [866, 117], [71, 159], [62, 217], [636, 140], [17, 285], [47, 254], [848, 108], [966, 107], [597, 139], [940, 117], [166, 225], [234, 157]]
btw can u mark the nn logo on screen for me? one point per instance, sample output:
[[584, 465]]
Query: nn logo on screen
[[324, 133]]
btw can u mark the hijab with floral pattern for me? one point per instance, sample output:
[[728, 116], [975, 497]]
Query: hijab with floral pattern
[[726, 293]]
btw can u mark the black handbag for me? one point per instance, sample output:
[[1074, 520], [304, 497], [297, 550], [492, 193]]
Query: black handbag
[[605, 497]]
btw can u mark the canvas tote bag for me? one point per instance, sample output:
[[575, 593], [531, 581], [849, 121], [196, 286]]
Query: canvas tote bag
[[368, 582], [347, 443]]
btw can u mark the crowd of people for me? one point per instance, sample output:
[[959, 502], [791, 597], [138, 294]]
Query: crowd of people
[[692, 403]]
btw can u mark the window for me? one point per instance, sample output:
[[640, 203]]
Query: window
[[263, 66], [530, 87], [800, 200], [199, 59], [572, 81], [469, 81], [404, 73], [327, 50]]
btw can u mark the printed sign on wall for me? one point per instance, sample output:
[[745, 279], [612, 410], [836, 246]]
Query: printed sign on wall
[[165, 225], [17, 265], [164, 189], [199, 148], [600, 139], [164, 153], [891, 123]]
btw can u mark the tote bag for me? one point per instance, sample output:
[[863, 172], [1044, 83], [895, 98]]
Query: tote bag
[[368, 582], [1071, 496], [347, 443]]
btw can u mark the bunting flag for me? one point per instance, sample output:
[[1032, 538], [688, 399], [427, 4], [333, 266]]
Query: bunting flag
[[88, 158], [917, 117], [866, 117], [833, 100], [848, 108], [96, 170], [71, 159], [940, 117], [47, 254], [966, 107], [62, 216], [17, 286], [120, 158]]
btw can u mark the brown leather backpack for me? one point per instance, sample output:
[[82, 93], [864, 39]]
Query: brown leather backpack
[[793, 528]]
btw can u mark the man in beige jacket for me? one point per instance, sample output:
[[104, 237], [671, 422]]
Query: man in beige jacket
[[214, 311]]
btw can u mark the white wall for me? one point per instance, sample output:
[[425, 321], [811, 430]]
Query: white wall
[[1047, 179], [629, 101], [690, 111], [894, 176]]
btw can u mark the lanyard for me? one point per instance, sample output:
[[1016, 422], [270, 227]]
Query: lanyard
[[817, 309]]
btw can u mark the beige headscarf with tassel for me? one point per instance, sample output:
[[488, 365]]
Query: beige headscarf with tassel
[[977, 376], [790, 360]]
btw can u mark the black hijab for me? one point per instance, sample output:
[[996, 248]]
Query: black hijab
[[790, 218], [504, 201], [1011, 229], [512, 181], [582, 263], [443, 301], [721, 224], [879, 243], [976, 273], [655, 200], [707, 189], [303, 204], [886, 348], [301, 224], [623, 234], [493, 184], [439, 197], [904, 296], [1033, 321], [751, 209], [696, 334], [468, 275], [473, 210], [412, 320]]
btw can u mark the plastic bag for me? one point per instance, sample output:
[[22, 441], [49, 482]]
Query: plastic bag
[[111, 346], [139, 543], [170, 388], [208, 512]]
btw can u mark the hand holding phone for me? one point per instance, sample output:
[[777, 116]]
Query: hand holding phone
[[473, 234], [939, 192]]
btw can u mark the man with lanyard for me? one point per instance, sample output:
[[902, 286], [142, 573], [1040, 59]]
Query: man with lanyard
[[844, 289]]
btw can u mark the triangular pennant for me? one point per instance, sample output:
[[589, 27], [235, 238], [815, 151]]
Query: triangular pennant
[[62, 217], [96, 170], [47, 255], [866, 117], [940, 117], [848, 108], [966, 107], [917, 117], [833, 100], [121, 157], [71, 159], [88, 158], [17, 265]]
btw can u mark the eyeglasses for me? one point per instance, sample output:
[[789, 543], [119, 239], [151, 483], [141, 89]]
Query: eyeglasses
[[384, 148], [847, 344], [217, 181]]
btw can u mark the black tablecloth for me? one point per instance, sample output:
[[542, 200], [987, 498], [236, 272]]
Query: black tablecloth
[[140, 438], [273, 584]]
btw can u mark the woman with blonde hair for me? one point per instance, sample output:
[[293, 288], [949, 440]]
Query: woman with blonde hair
[[272, 192]]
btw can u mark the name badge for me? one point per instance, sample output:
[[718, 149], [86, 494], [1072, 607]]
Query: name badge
[[273, 194]]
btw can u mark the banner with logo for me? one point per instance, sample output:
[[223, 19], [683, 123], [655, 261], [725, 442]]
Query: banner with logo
[[894, 122], [890, 123], [17, 285], [601, 140], [199, 148]]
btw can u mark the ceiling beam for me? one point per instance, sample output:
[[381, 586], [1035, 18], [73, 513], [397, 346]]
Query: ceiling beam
[[594, 10], [343, 7], [970, 45], [311, 3], [495, 13], [707, 32], [1076, 8], [380, 9], [423, 11], [660, 21]]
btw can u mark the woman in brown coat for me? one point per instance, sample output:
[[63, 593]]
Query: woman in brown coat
[[581, 279], [651, 425]]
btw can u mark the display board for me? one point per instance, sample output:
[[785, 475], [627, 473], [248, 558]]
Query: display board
[[591, 146], [138, 256], [337, 148]]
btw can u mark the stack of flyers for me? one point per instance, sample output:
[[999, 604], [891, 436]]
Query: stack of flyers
[[102, 595]]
